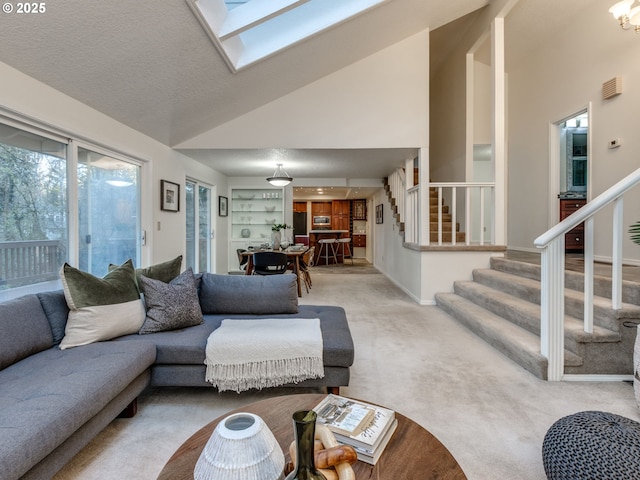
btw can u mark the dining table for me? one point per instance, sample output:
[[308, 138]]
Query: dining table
[[294, 253]]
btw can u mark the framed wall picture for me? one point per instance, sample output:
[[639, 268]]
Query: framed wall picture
[[223, 209], [169, 196], [379, 210]]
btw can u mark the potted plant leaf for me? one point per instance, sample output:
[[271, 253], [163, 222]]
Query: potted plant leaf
[[634, 232], [277, 234]]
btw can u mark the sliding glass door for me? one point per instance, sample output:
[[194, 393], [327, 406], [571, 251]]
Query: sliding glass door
[[199, 229], [108, 211]]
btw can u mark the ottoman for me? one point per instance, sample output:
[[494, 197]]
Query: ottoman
[[592, 446]]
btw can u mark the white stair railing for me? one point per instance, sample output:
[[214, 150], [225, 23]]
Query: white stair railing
[[476, 200], [551, 244], [477, 214]]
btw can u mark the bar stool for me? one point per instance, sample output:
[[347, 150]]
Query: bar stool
[[327, 243], [342, 243]]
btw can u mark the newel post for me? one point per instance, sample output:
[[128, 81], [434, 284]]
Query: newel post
[[552, 308]]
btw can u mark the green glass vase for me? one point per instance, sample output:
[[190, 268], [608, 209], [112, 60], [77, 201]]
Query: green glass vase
[[304, 428]]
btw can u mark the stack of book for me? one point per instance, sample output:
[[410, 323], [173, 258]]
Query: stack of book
[[366, 427]]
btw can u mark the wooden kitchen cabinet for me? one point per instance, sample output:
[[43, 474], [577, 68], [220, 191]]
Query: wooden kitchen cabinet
[[359, 240], [574, 240], [341, 215], [320, 208], [299, 207]]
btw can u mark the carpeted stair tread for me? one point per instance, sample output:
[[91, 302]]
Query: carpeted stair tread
[[527, 315], [515, 342], [516, 267], [573, 280], [530, 290]]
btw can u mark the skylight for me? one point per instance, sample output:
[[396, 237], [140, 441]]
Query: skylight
[[245, 32]]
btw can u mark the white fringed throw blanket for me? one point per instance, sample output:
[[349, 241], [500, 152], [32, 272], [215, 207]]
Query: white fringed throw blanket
[[245, 354]]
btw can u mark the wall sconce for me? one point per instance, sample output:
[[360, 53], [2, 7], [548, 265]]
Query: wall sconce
[[626, 15], [280, 178]]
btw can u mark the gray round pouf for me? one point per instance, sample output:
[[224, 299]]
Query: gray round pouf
[[592, 446]]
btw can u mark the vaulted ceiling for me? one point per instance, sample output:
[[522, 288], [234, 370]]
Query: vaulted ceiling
[[150, 65]]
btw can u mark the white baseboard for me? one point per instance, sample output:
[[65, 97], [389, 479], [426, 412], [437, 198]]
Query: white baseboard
[[597, 378]]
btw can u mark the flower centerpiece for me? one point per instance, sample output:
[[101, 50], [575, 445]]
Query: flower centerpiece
[[276, 236]]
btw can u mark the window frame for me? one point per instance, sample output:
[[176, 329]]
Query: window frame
[[73, 142]]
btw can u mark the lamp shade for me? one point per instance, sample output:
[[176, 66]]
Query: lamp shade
[[280, 178], [241, 448], [634, 16], [621, 8]]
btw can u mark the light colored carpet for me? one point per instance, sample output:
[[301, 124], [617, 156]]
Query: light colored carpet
[[490, 413]]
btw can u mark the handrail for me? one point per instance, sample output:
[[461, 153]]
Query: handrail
[[591, 208], [552, 272]]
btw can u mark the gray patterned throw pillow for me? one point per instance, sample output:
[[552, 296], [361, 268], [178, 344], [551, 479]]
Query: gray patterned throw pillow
[[170, 305]]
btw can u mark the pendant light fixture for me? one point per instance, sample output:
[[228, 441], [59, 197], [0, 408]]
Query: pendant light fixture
[[280, 178], [626, 15]]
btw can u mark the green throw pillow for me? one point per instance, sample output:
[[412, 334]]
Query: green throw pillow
[[170, 305], [100, 308], [165, 271]]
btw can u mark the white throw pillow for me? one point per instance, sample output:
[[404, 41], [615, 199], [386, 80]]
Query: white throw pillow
[[100, 308]]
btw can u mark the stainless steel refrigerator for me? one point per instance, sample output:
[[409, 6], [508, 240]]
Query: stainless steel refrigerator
[[299, 223]]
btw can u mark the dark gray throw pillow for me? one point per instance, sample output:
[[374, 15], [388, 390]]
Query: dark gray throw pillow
[[55, 306], [170, 305], [248, 294]]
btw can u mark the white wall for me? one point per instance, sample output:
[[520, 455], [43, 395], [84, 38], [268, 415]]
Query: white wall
[[30, 98], [400, 264], [562, 77], [482, 103], [380, 101]]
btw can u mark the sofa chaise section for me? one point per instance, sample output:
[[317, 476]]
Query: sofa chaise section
[[51, 399]]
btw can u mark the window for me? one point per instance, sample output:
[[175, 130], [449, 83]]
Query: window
[[108, 211], [245, 32], [33, 207], [40, 228]]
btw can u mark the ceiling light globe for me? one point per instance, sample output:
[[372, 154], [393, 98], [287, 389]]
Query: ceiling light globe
[[620, 9], [279, 182], [280, 178], [634, 16]]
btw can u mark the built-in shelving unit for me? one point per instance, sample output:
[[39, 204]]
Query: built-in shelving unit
[[254, 211]]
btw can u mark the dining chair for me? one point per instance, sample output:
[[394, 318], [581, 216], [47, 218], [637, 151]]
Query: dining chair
[[242, 259], [306, 262], [270, 263]]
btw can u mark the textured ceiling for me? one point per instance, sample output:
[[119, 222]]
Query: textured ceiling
[[150, 65]]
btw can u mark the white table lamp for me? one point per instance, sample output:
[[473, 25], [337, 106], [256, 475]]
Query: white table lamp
[[241, 447]]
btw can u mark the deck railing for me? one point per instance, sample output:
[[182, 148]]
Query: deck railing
[[552, 270], [24, 263]]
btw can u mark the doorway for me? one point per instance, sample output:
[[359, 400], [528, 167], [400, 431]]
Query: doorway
[[569, 172], [574, 139], [199, 231]]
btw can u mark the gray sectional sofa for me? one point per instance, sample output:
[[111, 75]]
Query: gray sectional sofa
[[54, 401]]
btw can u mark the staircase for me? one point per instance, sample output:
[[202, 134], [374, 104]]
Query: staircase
[[433, 217], [502, 306]]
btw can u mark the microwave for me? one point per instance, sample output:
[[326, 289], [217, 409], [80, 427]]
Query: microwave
[[321, 220]]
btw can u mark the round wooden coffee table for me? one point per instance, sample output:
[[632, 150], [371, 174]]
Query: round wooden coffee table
[[412, 452]]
